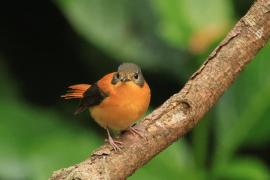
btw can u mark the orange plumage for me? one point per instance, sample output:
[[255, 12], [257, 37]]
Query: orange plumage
[[126, 103], [76, 91], [117, 100]]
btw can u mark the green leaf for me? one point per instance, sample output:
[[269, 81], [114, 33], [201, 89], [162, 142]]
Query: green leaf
[[200, 140], [35, 142], [191, 23], [176, 162], [242, 110], [124, 30], [244, 168]]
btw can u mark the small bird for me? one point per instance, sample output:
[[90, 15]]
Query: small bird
[[116, 101]]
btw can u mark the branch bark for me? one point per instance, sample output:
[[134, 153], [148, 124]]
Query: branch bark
[[183, 110]]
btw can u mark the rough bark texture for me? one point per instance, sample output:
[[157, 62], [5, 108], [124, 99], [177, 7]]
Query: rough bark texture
[[183, 110]]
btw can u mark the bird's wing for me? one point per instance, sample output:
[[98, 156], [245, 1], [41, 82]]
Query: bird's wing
[[91, 97]]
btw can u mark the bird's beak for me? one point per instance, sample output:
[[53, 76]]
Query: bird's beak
[[125, 79]]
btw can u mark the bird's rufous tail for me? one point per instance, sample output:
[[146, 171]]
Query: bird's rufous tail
[[76, 91]]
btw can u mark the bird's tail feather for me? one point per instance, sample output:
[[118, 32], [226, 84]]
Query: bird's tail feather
[[76, 91]]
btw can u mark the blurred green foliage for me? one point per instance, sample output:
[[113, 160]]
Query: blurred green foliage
[[35, 141], [166, 37]]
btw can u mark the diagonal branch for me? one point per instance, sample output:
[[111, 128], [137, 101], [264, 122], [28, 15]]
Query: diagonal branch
[[183, 110]]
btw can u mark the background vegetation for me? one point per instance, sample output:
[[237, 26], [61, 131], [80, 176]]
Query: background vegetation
[[48, 45]]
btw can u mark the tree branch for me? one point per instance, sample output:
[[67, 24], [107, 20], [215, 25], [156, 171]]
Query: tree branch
[[183, 110]]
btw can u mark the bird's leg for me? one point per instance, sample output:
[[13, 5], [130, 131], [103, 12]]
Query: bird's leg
[[114, 143], [136, 131]]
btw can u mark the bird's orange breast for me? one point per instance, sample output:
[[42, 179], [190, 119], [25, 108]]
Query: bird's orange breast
[[125, 104]]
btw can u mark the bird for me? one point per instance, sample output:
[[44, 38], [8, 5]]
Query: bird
[[116, 101]]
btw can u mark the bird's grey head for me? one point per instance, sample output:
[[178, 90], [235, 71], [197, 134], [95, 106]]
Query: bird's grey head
[[128, 72]]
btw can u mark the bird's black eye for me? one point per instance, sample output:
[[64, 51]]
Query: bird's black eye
[[116, 78], [136, 75]]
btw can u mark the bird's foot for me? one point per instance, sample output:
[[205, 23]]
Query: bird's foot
[[114, 143], [117, 145], [136, 131]]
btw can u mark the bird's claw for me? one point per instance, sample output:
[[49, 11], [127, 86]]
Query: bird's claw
[[136, 131], [114, 143], [117, 145]]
